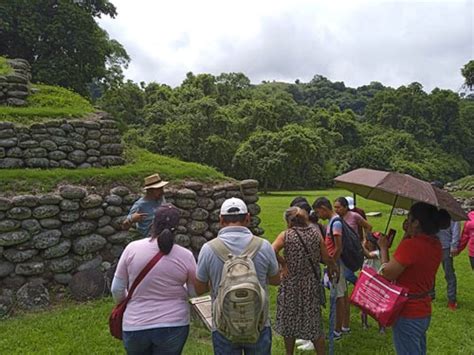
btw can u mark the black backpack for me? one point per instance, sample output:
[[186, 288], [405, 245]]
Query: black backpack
[[352, 253]]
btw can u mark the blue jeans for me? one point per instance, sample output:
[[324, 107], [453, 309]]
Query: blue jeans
[[223, 346], [409, 335], [350, 276], [169, 341], [449, 276]]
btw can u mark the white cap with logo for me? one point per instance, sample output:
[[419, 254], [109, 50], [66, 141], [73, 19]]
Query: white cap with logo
[[233, 206]]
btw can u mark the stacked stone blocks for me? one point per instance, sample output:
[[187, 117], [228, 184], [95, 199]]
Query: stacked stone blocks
[[15, 86], [48, 238], [61, 144]]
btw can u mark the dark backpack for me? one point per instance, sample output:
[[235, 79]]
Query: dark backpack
[[352, 254]]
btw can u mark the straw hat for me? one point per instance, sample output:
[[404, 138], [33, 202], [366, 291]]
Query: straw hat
[[154, 182]]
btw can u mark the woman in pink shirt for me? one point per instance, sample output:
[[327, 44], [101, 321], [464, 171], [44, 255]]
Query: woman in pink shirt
[[156, 320], [467, 238], [353, 219]]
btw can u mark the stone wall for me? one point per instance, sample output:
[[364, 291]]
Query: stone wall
[[48, 238], [61, 144], [15, 87]]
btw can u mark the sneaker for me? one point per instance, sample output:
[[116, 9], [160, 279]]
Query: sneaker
[[337, 335], [308, 346], [299, 342], [345, 331], [452, 305]]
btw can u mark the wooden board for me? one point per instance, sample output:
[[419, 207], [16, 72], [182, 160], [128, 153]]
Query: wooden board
[[202, 307]]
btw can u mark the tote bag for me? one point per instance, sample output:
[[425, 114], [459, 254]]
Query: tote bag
[[378, 297]]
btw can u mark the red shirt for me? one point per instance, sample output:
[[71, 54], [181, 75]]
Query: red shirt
[[421, 256]]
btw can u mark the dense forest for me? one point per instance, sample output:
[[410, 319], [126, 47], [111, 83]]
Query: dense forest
[[302, 134], [287, 135]]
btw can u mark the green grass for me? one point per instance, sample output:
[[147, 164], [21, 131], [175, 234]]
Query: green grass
[[465, 184], [82, 329], [5, 68], [140, 163], [49, 103]]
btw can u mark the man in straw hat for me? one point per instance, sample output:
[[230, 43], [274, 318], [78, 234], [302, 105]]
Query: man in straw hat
[[143, 210]]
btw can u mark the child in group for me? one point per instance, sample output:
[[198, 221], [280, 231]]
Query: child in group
[[372, 260]]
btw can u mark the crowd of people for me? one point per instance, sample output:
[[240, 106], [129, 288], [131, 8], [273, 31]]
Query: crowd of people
[[237, 268]]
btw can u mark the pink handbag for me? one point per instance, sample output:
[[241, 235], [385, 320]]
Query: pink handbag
[[378, 297]]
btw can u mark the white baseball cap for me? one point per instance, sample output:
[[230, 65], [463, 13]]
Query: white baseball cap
[[350, 202], [233, 206]]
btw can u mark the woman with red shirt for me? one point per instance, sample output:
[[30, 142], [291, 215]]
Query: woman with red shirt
[[413, 266]]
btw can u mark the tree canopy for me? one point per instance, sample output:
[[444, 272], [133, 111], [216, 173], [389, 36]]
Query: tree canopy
[[302, 134], [63, 43]]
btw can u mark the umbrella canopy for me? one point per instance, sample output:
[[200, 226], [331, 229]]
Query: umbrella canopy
[[398, 190]]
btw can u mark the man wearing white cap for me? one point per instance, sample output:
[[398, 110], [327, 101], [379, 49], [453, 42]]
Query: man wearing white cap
[[234, 234], [143, 209]]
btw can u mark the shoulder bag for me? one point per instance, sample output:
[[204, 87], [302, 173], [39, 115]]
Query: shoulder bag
[[116, 317]]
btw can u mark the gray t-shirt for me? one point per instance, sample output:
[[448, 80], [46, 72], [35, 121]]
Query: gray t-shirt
[[145, 206], [209, 265]]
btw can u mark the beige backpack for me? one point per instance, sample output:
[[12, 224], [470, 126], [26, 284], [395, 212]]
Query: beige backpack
[[239, 311]]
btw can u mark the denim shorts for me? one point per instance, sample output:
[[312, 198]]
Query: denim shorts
[[166, 341], [223, 346]]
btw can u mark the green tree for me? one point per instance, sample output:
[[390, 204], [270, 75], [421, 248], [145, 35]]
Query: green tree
[[125, 103], [62, 41], [467, 72]]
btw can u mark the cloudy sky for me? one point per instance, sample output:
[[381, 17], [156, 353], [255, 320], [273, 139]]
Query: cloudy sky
[[394, 42]]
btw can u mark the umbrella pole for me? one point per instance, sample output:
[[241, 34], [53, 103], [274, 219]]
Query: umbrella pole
[[391, 213]]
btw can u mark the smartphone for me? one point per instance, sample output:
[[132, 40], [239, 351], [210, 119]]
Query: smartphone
[[390, 236]]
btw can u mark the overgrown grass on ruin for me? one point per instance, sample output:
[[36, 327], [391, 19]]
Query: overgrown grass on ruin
[[82, 328], [140, 163], [47, 103], [5, 68], [466, 185]]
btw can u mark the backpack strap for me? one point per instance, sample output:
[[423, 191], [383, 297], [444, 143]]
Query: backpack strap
[[253, 247], [220, 249]]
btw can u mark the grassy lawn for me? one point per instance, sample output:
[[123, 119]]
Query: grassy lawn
[[48, 103], [140, 163], [82, 329]]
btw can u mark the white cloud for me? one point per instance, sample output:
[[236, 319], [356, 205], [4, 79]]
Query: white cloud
[[394, 42]]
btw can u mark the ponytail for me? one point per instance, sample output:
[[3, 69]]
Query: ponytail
[[166, 241]]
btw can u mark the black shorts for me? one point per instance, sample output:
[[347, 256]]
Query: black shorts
[[472, 262]]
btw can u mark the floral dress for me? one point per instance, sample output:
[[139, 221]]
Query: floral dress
[[298, 301]]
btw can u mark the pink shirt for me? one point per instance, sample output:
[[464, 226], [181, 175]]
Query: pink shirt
[[161, 299], [468, 235], [353, 219]]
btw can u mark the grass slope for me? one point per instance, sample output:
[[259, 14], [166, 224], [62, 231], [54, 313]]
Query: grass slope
[[47, 103], [465, 184], [82, 329], [140, 163], [5, 68]]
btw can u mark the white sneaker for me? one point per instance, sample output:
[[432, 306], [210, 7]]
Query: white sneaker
[[299, 342], [307, 347]]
